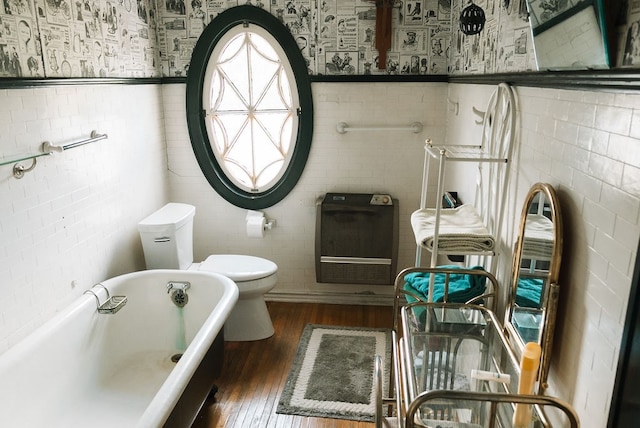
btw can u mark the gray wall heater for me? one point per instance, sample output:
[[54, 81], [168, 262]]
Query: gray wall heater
[[356, 238]]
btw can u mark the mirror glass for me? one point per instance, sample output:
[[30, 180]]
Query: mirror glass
[[537, 256], [568, 34]]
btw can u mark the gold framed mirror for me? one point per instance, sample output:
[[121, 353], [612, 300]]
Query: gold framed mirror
[[531, 312]]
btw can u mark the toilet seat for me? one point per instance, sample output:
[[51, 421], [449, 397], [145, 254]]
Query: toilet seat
[[239, 267], [254, 276]]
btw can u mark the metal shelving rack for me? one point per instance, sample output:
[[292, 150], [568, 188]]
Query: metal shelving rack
[[498, 133]]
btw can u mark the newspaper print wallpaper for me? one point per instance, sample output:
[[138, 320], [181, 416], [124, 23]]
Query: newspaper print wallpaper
[[337, 37], [504, 45], [78, 38], [155, 38]]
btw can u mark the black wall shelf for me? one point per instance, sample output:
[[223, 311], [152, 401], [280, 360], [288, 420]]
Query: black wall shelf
[[615, 79]]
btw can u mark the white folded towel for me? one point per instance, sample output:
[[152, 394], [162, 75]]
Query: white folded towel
[[461, 229], [538, 237]]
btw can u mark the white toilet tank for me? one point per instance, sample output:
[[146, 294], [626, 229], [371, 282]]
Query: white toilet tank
[[167, 237]]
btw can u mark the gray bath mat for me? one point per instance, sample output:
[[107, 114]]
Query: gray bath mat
[[332, 373]]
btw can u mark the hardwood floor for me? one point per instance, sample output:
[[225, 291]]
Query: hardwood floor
[[255, 372]]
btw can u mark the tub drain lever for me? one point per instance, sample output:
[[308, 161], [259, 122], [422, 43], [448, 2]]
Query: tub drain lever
[[178, 291]]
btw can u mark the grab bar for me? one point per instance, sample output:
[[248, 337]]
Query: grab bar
[[46, 149], [415, 127]]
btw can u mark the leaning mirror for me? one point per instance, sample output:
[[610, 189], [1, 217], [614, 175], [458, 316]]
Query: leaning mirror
[[531, 314], [568, 34]]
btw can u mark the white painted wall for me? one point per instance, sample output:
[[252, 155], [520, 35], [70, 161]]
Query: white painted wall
[[72, 221], [587, 145]]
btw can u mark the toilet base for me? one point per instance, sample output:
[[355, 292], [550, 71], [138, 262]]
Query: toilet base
[[249, 320]]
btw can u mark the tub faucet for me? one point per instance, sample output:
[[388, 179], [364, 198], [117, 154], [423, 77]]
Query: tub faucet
[[178, 292]]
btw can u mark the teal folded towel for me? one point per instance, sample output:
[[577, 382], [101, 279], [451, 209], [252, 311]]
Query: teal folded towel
[[529, 292], [462, 286]]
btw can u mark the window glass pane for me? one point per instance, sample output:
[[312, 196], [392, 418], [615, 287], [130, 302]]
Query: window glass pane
[[285, 89], [272, 98], [233, 124], [285, 137], [273, 124], [240, 149], [236, 80], [264, 48], [238, 173], [216, 91], [269, 173], [220, 136], [231, 48], [229, 99], [263, 73]]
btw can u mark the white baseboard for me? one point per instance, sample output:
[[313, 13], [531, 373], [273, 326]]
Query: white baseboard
[[337, 299]]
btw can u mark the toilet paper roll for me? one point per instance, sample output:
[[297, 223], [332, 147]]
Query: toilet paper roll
[[255, 227]]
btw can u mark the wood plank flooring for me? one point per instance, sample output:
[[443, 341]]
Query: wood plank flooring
[[254, 373]]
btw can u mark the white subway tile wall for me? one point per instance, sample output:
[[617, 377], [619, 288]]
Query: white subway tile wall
[[586, 145], [72, 221], [360, 162]]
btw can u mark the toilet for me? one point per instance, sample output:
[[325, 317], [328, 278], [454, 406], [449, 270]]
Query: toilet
[[167, 242]]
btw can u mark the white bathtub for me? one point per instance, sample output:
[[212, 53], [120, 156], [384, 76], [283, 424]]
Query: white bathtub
[[85, 369]]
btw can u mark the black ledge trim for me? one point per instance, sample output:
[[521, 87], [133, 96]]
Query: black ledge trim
[[378, 78], [616, 79], [10, 82], [170, 80]]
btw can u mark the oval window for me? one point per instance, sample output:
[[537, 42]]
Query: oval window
[[249, 107]]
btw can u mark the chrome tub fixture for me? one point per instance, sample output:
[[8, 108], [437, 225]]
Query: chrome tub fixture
[[178, 291], [111, 305]]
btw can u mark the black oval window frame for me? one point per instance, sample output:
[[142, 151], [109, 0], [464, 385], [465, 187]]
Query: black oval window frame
[[200, 142]]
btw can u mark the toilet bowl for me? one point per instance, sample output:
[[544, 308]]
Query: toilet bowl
[[167, 242], [254, 276]]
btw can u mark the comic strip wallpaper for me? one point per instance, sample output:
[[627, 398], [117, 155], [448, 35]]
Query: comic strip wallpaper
[[337, 37], [142, 38], [78, 38], [155, 38], [504, 45]]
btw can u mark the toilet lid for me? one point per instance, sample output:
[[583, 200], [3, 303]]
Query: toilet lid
[[239, 267]]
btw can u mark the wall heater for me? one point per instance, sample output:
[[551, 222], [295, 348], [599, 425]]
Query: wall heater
[[356, 238]]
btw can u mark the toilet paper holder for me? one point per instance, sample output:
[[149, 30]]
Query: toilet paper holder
[[267, 224]]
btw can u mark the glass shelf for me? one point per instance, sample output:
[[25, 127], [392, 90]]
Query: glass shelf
[[8, 160]]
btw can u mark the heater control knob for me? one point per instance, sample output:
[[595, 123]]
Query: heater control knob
[[381, 200]]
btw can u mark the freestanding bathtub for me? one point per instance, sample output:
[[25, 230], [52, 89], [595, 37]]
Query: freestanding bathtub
[[89, 369]]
